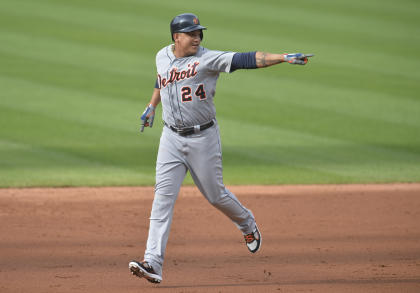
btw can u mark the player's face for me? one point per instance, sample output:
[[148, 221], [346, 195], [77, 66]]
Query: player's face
[[187, 44]]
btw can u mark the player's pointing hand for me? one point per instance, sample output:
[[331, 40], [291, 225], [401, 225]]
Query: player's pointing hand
[[297, 58]]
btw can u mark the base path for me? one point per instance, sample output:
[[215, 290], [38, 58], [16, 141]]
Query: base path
[[323, 238]]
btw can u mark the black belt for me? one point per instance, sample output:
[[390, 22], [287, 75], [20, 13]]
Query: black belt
[[190, 130]]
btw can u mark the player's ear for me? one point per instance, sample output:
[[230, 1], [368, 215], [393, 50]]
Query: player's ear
[[175, 36]]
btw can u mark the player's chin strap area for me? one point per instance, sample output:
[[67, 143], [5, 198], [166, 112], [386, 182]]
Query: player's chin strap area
[[190, 130]]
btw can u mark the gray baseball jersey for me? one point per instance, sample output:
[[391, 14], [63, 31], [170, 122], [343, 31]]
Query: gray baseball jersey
[[187, 85]]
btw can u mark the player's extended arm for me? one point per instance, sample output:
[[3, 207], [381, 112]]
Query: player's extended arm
[[265, 59], [252, 60], [149, 113]]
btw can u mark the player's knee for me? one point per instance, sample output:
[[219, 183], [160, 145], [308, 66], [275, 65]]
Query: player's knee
[[214, 201], [217, 201]]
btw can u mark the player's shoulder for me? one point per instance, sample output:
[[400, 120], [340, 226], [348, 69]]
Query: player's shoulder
[[202, 50], [164, 52], [205, 52], [211, 56]]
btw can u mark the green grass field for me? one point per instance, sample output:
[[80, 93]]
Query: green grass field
[[74, 76]]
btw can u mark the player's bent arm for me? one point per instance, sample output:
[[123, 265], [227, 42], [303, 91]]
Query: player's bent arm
[[155, 100]]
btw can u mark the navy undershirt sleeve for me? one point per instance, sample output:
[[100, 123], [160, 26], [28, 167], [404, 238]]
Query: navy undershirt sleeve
[[156, 84], [243, 61]]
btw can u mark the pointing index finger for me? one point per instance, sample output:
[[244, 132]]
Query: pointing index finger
[[308, 55]]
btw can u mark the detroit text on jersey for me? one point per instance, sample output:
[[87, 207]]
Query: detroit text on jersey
[[176, 75]]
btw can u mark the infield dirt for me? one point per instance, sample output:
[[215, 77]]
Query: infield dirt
[[325, 238]]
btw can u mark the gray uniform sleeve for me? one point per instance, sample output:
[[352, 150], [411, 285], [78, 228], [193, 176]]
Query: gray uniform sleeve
[[218, 61]]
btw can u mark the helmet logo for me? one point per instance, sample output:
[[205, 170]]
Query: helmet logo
[[195, 20]]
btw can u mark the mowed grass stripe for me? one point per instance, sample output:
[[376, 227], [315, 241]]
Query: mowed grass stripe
[[41, 27], [84, 73], [309, 146], [31, 167], [280, 174], [278, 158], [30, 157], [298, 88], [324, 122], [84, 55], [62, 176], [320, 159], [73, 137], [75, 78], [74, 106], [276, 168], [76, 22], [288, 91]]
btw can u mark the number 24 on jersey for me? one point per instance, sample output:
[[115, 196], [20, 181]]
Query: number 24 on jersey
[[186, 92]]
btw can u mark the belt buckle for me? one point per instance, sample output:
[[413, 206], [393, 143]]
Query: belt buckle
[[180, 131]]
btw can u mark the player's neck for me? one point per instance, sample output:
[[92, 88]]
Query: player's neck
[[179, 53]]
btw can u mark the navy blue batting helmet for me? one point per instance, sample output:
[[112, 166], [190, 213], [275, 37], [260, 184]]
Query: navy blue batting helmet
[[184, 23]]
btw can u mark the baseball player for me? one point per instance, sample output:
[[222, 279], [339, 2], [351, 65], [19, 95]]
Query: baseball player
[[186, 81]]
